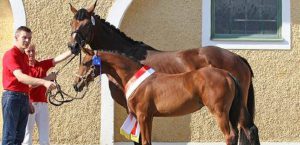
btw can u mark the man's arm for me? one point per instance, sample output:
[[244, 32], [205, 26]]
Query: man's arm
[[62, 57], [26, 79], [49, 77]]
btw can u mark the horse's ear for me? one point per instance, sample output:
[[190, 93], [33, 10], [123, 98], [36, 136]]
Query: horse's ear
[[92, 8], [88, 51], [73, 9]]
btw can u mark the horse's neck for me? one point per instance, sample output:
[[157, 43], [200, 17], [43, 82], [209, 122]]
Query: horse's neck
[[110, 38], [120, 69]]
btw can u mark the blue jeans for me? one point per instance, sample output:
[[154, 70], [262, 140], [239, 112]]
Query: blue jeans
[[15, 110]]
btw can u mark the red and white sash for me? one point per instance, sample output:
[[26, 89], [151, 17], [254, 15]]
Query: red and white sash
[[137, 79], [131, 128]]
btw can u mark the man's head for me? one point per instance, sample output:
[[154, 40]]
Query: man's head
[[30, 51], [23, 37]]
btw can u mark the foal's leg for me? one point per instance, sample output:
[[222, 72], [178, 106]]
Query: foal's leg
[[145, 122], [224, 124], [234, 134], [140, 141], [118, 94]]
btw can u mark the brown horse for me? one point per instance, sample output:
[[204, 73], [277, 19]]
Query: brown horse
[[100, 35], [214, 88]]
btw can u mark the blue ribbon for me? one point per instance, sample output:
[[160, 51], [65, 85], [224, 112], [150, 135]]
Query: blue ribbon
[[96, 60]]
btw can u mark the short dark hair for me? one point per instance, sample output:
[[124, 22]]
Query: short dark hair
[[23, 28]]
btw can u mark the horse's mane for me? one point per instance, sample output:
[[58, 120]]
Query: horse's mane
[[122, 34], [138, 51], [131, 58], [83, 14]]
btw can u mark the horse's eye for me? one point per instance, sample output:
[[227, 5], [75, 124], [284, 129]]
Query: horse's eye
[[71, 22]]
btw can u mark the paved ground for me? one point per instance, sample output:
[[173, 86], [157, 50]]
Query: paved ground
[[213, 143]]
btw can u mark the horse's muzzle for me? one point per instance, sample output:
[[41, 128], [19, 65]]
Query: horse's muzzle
[[74, 47], [76, 88]]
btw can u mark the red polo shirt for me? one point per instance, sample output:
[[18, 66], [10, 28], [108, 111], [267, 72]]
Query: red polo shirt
[[39, 70], [14, 59]]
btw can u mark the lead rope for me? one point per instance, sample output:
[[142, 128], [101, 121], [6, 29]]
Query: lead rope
[[52, 96]]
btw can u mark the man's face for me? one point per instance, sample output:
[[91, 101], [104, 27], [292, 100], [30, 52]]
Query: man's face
[[30, 51], [23, 39]]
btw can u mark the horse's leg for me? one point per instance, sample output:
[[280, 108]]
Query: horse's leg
[[234, 131], [117, 94], [249, 136], [246, 116], [223, 122], [235, 135], [254, 135], [244, 124], [140, 141], [145, 122], [248, 132]]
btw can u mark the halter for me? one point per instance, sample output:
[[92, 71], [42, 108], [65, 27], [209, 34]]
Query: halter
[[81, 39], [96, 62]]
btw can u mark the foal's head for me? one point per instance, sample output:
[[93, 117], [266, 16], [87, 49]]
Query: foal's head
[[86, 73], [82, 27]]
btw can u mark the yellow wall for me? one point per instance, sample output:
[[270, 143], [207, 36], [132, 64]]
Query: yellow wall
[[73, 123], [6, 30], [176, 24], [77, 122], [6, 36], [165, 25]]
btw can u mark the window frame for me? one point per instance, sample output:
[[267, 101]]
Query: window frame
[[283, 40]]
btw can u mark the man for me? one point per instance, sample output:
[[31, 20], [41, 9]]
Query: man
[[15, 102], [38, 96]]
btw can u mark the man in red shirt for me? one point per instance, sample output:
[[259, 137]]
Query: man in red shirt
[[15, 102], [38, 96]]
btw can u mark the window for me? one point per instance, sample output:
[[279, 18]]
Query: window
[[246, 19], [259, 22]]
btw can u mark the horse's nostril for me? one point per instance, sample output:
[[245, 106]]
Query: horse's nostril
[[75, 88], [70, 45]]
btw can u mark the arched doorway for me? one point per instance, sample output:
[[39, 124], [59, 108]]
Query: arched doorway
[[11, 17], [6, 28]]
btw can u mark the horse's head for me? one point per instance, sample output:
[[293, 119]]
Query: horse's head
[[86, 73], [82, 27]]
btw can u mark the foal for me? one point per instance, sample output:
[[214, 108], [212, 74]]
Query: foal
[[166, 95]]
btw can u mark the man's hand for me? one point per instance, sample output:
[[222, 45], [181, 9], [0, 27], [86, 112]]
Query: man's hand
[[50, 85], [51, 76]]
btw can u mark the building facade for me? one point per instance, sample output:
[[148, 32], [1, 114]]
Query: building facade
[[170, 25]]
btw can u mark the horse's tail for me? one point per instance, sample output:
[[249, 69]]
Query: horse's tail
[[234, 113], [247, 63], [251, 98], [251, 102]]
